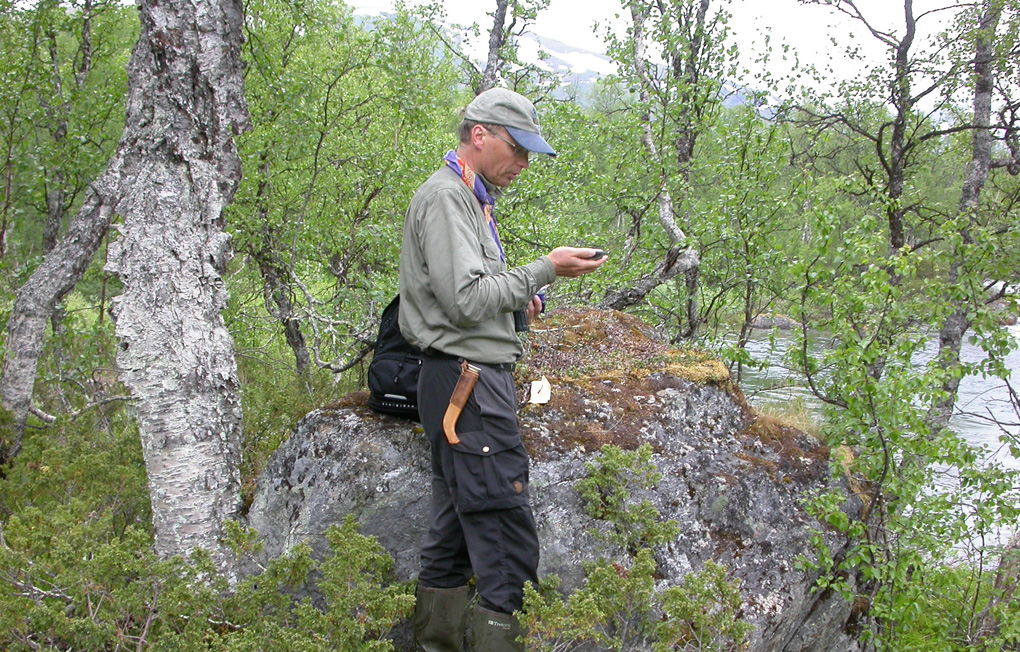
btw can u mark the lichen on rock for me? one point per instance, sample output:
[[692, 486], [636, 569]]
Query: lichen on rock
[[732, 480], [607, 369]]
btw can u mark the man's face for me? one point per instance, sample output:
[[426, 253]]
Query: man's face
[[501, 159]]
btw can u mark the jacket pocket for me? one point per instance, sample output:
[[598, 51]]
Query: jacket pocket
[[492, 261]]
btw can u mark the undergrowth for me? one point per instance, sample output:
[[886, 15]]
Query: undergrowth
[[624, 604]]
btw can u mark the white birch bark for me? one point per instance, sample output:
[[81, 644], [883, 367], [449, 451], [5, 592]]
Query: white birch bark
[[667, 216], [680, 258], [175, 169], [175, 354]]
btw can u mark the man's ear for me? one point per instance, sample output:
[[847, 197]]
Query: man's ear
[[478, 133]]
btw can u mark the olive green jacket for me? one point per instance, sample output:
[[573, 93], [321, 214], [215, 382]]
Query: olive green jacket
[[456, 294]]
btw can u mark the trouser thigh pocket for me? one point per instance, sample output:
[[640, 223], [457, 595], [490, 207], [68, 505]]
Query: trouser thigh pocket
[[491, 470]]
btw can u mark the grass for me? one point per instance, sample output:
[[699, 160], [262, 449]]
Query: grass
[[794, 413]]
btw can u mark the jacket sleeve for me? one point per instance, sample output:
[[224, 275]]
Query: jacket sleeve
[[470, 282]]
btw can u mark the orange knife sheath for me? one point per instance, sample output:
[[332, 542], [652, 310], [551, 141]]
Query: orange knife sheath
[[465, 385]]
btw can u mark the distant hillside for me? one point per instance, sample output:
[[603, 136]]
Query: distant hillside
[[573, 65], [577, 68]]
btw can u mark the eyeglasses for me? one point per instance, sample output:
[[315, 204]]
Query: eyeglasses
[[518, 150]]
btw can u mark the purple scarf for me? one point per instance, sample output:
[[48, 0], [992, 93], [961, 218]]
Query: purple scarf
[[487, 201]]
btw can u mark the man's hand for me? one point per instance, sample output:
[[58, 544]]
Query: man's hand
[[574, 261], [534, 308]]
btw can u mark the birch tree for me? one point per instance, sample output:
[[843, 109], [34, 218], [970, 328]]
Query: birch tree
[[174, 171], [344, 124], [925, 82], [497, 40], [679, 98], [907, 252], [992, 68], [502, 66]]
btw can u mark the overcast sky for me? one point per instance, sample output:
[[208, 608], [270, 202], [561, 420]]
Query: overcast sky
[[807, 29]]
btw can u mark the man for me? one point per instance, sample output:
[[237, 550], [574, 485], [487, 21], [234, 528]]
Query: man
[[457, 303]]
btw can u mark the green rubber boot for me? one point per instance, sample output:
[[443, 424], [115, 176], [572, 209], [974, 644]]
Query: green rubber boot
[[494, 632], [440, 618]]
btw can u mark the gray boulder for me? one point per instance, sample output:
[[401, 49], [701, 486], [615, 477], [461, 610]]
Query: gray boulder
[[730, 478]]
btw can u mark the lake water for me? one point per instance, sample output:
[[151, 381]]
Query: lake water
[[980, 399]]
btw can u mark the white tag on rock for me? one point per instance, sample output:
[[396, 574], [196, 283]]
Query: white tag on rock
[[541, 391]]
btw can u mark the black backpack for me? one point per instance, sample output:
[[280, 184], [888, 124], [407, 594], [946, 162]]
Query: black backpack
[[393, 372]]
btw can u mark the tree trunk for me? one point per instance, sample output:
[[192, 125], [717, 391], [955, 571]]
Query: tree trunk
[[904, 103], [678, 259], [277, 291], [36, 300], [279, 304], [497, 37], [58, 132], [686, 66], [54, 211], [175, 354], [174, 171], [667, 215], [956, 324]]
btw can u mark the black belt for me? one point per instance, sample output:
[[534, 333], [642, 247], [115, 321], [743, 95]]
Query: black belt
[[502, 366]]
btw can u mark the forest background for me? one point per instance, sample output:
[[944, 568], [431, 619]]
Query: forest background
[[875, 211]]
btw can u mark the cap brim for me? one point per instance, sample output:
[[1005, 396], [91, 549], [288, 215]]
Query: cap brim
[[530, 141]]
